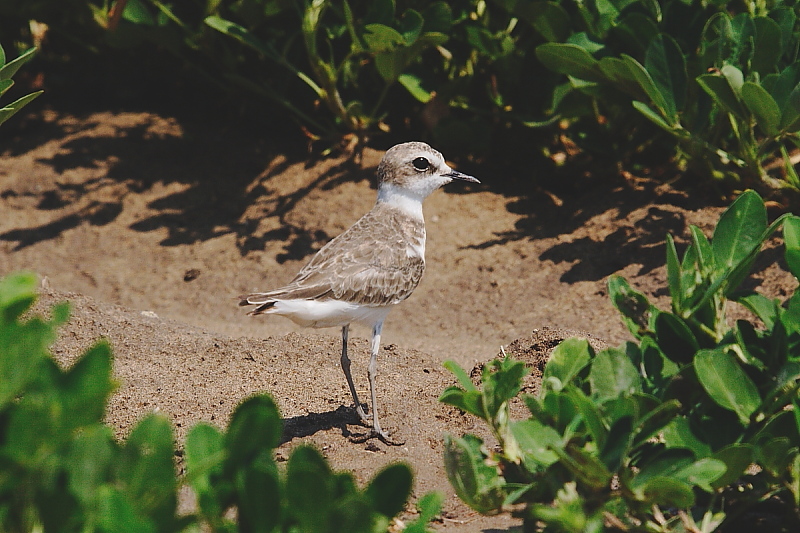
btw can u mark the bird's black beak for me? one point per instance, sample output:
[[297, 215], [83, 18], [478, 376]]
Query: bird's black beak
[[456, 175]]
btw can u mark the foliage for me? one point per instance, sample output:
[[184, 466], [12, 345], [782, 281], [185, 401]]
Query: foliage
[[723, 83], [7, 70], [715, 83], [658, 434], [62, 470]]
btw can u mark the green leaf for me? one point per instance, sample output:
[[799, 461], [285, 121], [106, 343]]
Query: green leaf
[[648, 85], [590, 413], [702, 473], [675, 338], [655, 420], [461, 375], [205, 456], [674, 275], [535, 441], [567, 360], [570, 59], [11, 109], [726, 383], [89, 462], [654, 117], [117, 513], [764, 308], [413, 85], [719, 88], [380, 38], [259, 496], [666, 492], [11, 68], [739, 231], [617, 446], [767, 47], [736, 458], [585, 466], [632, 305], [549, 19], [666, 65], [309, 489], [255, 428], [763, 107], [17, 294], [147, 470], [410, 26], [468, 401], [390, 488], [428, 506], [5, 85], [679, 434], [87, 385], [476, 483], [791, 237], [613, 375], [502, 381]]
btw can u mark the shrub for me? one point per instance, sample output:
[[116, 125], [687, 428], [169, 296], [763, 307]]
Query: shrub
[[691, 427], [7, 70], [62, 470]]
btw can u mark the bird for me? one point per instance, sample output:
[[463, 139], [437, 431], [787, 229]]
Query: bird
[[361, 274]]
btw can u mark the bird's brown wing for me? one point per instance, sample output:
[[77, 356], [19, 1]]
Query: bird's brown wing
[[371, 263]]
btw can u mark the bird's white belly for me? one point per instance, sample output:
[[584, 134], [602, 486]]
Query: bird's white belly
[[329, 313]]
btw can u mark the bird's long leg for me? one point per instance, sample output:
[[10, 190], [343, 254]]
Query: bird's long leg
[[372, 371], [346, 368]]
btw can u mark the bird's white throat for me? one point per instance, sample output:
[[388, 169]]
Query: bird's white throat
[[401, 198]]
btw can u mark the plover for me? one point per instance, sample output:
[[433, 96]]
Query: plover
[[373, 266]]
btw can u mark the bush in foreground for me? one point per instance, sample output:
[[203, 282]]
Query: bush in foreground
[[62, 470], [695, 426]]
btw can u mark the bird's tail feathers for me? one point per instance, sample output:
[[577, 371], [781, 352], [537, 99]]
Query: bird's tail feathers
[[263, 302]]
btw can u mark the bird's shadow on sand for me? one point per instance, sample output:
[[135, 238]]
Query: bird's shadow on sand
[[306, 425]]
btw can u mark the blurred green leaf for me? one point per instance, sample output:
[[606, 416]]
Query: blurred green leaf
[[390, 488], [255, 429], [17, 294], [477, 483], [146, 468]]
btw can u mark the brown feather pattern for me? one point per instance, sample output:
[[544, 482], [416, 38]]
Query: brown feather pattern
[[369, 264]]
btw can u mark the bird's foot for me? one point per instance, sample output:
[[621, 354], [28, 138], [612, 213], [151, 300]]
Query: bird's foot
[[376, 433], [365, 418]]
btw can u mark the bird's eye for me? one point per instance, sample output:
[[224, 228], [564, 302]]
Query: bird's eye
[[421, 164]]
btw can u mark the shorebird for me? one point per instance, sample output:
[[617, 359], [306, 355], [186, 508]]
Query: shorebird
[[377, 263]]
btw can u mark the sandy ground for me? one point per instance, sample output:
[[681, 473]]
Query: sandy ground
[[152, 225]]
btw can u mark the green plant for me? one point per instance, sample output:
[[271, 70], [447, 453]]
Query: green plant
[[62, 470], [338, 44], [722, 83], [657, 434], [7, 70]]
